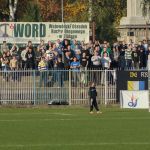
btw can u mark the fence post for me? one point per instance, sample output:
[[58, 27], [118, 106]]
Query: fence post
[[69, 87], [105, 77], [149, 87], [34, 87]]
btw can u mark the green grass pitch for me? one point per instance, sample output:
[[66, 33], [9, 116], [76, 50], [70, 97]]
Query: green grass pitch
[[71, 128]]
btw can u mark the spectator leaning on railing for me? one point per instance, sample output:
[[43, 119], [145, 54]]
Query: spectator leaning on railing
[[128, 56], [42, 67], [14, 65], [23, 57], [96, 61], [60, 74], [135, 58], [105, 61], [115, 57], [75, 66], [5, 66], [142, 58], [30, 56]]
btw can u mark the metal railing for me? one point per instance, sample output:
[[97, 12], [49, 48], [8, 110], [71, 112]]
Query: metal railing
[[56, 86]]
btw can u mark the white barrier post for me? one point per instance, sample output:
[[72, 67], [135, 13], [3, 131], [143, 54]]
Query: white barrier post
[[69, 87], [105, 77], [149, 86], [148, 67]]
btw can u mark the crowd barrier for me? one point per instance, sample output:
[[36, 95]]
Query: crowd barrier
[[56, 86]]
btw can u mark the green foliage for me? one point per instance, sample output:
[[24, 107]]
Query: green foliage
[[4, 10], [76, 11], [50, 10], [105, 13], [30, 11], [27, 10], [145, 7]]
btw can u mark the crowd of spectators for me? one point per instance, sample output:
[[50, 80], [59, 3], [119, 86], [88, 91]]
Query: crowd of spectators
[[74, 55]]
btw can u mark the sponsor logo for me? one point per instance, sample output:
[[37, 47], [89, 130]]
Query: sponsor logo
[[133, 102], [133, 74]]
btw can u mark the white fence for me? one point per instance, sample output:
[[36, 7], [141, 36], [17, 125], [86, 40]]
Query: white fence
[[56, 86]]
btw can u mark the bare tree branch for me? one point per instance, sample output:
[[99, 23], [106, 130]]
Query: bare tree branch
[[12, 9]]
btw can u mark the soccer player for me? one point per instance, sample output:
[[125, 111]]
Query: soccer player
[[92, 94]]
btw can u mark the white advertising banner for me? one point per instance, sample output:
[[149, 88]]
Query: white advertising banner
[[134, 99], [21, 32], [148, 62]]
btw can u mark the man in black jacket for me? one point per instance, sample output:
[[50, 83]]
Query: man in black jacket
[[135, 58], [92, 94], [30, 56]]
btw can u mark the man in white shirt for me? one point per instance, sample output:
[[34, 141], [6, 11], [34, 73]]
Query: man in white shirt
[[23, 57], [105, 60], [96, 60], [96, 65]]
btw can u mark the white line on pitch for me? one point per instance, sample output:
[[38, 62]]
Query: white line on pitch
[[22, 120], [76, 144], [71, 119], [61, 114]]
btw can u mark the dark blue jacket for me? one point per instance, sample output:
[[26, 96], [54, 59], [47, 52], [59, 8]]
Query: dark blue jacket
[[92, 92]]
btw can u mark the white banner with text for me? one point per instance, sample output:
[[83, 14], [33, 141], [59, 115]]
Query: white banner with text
[[21, 32]]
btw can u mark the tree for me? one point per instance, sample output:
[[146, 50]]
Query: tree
[[31, 11], [12, 9], [76, 11], [107, 14], [50, 10], [119, 10], [4, 10], [145, 7]]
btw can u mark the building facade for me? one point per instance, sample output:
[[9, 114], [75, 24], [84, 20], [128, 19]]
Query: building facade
[[134, 27]]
